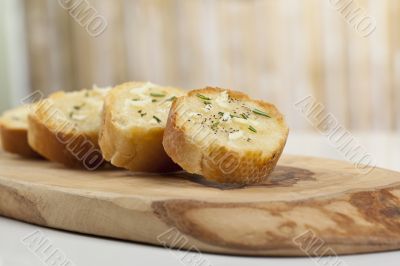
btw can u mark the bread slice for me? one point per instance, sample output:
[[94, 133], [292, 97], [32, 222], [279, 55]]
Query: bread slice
[[135, 114], [64, 128], [225, 136], [14, 131]]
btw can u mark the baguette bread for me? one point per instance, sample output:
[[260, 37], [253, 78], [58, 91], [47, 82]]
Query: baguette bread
[[134, 119], [64, 128], [225, 136], [14, 131]]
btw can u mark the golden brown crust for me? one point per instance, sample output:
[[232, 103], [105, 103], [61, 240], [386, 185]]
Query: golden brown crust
[[215, 162], [14, 131], [15, 140], [138, 150], [59, 141], [68, 148]]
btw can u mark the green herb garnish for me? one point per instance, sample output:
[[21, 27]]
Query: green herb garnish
[[154, 100], [236, 116], [135, 99], [251, 128], [143, 114], [244, 116], [154, 94], [203, 97], [221, 113], [78, 107], [207, 102], [171, 99], [213, 126], [259, 112], [157, 119]]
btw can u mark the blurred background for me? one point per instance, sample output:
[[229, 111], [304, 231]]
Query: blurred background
[[345, 53]]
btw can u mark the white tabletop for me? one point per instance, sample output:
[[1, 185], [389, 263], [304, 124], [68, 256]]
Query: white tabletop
[[87, 250]]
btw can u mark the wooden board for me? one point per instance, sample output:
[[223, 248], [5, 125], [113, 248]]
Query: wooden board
[[307, 201]]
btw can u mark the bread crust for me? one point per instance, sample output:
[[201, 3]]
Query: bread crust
[[59, 141], [15, 140], [14, 132], [216, 162], [140, 149]]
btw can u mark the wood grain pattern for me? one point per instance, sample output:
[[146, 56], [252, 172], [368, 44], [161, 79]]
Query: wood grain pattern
[[348, 211]]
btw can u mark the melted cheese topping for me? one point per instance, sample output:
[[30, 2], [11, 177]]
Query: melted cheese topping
[[147, 105], [17, 117], [81, 108], [237, 123]]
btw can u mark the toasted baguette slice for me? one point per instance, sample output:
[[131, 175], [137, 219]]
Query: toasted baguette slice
[[135, 115], [14, 131], [225, 136], [64, 128]]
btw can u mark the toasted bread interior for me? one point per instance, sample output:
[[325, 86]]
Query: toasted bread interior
[[16, 118], [80, 108], [231, 119], [143, 105]]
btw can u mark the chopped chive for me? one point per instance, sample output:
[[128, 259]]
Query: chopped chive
[[213, 126], [135, 99], [203, 97], [78, 107], [139, 111], [143, 114], [171, 99], [251, 128], [221, 113], [244, 116], [207, 102], [259, 112], [157, 94], [157, 119], [154, 100], [236, 116]]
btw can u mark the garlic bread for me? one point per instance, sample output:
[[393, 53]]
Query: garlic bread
[[64, 128], [14, 131], [134, 119], [225, 136]]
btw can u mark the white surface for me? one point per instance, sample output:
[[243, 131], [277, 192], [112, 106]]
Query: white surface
[[87, 250]]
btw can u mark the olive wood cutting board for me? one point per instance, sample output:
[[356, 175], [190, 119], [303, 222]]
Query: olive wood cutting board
[[309, 207]]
